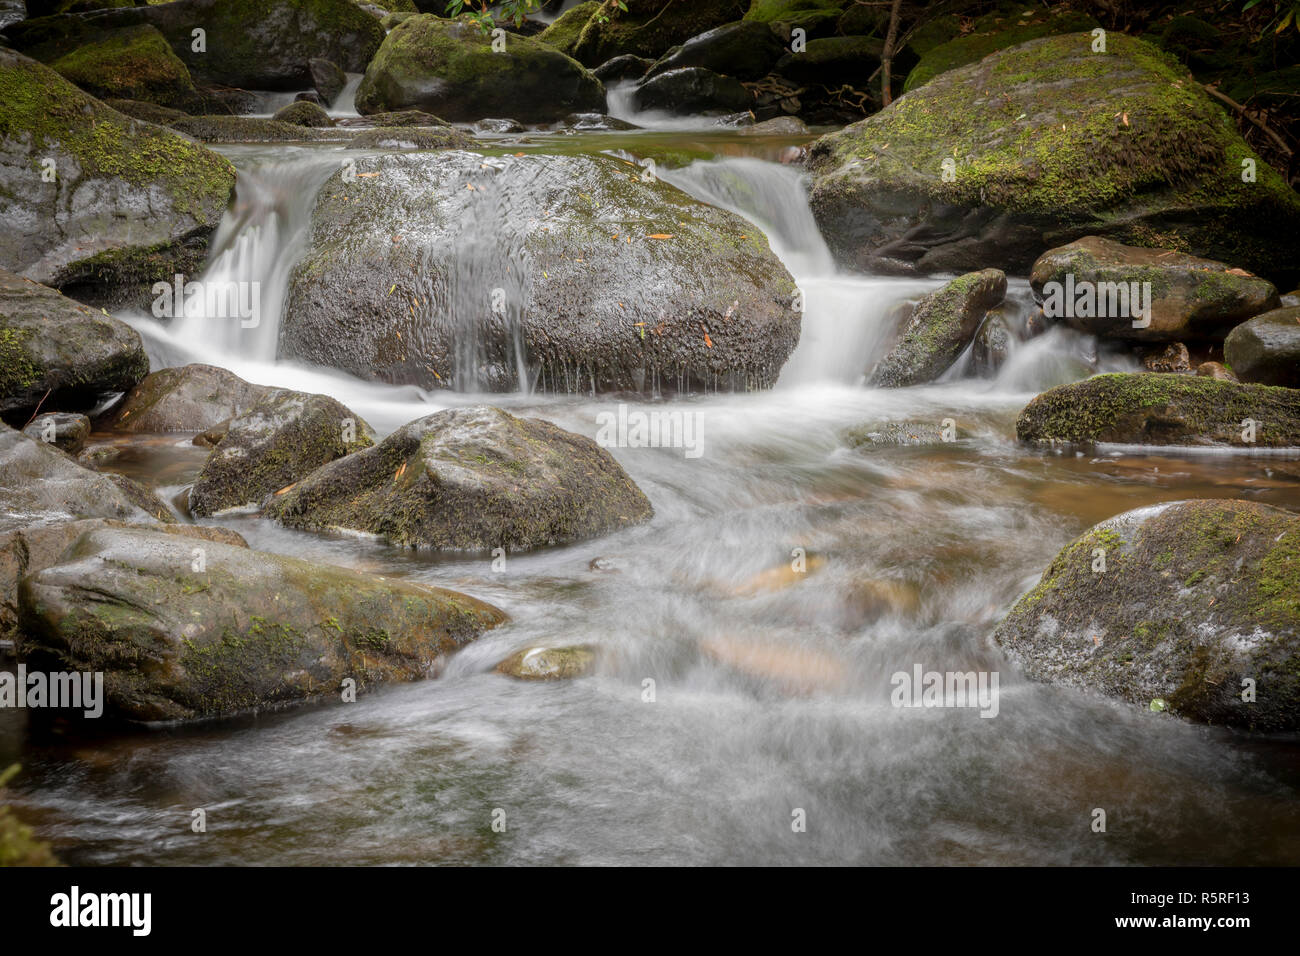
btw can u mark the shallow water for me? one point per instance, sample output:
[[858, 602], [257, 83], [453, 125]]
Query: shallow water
[[771, 688]]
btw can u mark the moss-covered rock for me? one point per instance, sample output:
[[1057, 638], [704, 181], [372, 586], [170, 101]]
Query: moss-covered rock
[[180, 636], [746, 50], [992, 33], [1155, 409], [134, 63], [187, 398], [833, 62], [942, 325], [563, 33], [606, 281], [693, 90], [149, 112], [1195, 603], [1266, 349], [649, 28], [549, 663], [448, 67], [473, 479], [280, 438], [82, 183], [1088, 284], [1040, 144], [253, 129], [412, 137], [303, 113], [817, 18], [60, 354], [398, 118]]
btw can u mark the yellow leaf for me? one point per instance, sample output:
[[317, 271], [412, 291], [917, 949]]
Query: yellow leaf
[[660, 235]]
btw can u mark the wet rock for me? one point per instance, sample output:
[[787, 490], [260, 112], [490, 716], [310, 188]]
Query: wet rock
[[1216, 371], [1089, 285], [189, 398], [941, 327], [310, 96], [56, 353], [128, 203], [470, 479], [620, 68], [592, 122], [778, 126], [603, 284], [563, 33], [1174, 357], [280, 438], [303, 113], [134, 63], [249, 129], [66, 431], [650, 27], [833, 62], [788, 668], [248, 631], [1148, 409], [993, 342], [498, 126], [401, 118], [895, 209], [692, 90], [549, 663], [746, 50], [327, 79], [149, 112], [1266, 349], [412, 137], [1196, 598], [448, 67], [39, 484]]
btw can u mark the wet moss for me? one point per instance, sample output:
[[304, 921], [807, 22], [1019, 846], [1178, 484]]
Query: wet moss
[[17, 372], [135, 63]]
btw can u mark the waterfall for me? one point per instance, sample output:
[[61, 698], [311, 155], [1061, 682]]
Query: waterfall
[[345, 104]]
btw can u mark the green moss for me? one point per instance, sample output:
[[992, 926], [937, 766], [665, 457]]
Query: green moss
[[17, 372], [135, 63], [564, 32]]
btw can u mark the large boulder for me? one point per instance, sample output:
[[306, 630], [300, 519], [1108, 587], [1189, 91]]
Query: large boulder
[[1193, 604], [187, 398], [59, 354], [564, 31], [1266, 349], [281, 437], [134, 63], [453, 268], [1040, 144], [39, 484], [746, 50], [91, 197], [833, 62], [940, 328], [180, 636], [470, 479], [692, 90], [649, 28], [1089, 284], [449, 67], [1151, 408], [252, 44]]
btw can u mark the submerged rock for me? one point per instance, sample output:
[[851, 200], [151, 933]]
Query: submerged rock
[[942, 325], [1266, 349], [1154, 409], [56, 353], [93, 197], [470, 479], [1198, 603], [1090, 285], [247, 630], [990, 163], [549, 663], [448, 268], [187, 398], [282, 437], [449, 67]]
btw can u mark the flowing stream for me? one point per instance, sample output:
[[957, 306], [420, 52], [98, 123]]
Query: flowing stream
[[771, 690]]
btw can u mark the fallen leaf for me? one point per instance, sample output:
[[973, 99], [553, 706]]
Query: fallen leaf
[[660, 235]]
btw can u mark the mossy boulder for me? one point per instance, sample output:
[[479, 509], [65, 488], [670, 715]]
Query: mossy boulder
[[252, 44], [252, 129], [397, 118], [134, 63], [1266, 349], [746, 50], [452, 268], [59, 354], [1149, 408], [692, 90], [85, 189], [940, 328], [470, 479], [649, 28], [448, 67], [817, 18], [39, 484], [549, 663], [303, 113], [1040, 144], [563, 32], [149, 112], [412, 137], [992, 33], [1090, 282], [280, 438], [833, 62], [187, 398], [1198, 606], [181, 636]]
